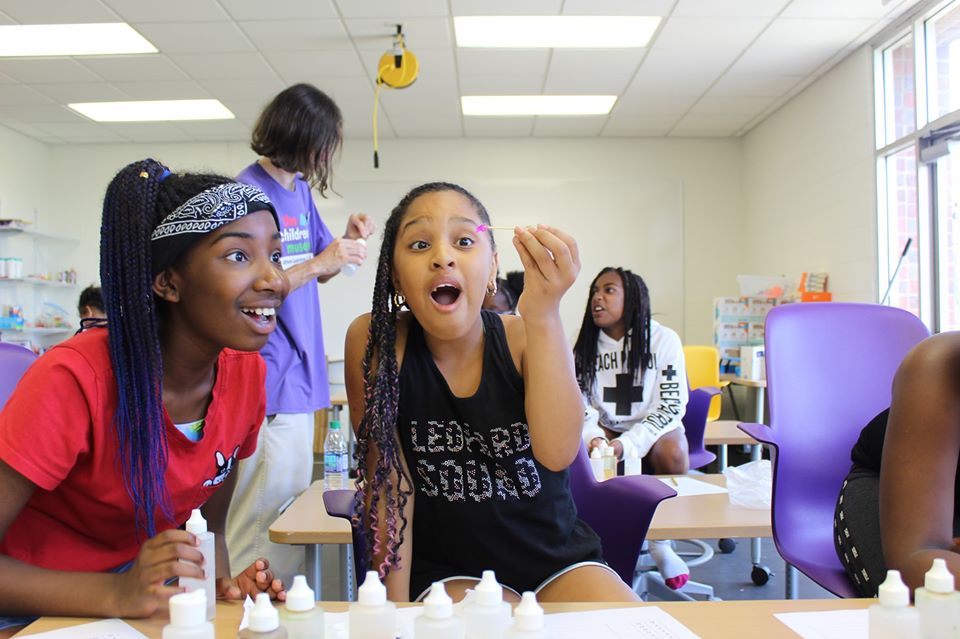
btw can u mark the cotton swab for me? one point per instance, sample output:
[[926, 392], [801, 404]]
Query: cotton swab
[[483, 228]]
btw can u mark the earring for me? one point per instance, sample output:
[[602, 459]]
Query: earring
[[493, 291], [398, 299]]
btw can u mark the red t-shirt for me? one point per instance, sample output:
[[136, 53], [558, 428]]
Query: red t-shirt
[[57, 431]]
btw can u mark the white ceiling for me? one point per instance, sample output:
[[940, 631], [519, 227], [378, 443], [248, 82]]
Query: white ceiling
[[714, 68]]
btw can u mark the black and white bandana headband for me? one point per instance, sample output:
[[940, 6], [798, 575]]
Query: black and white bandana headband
[[203, 213]]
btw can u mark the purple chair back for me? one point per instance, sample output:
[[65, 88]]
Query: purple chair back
[[339, 503], [695, 423], [830, 368], [14, 362], [619, 510]]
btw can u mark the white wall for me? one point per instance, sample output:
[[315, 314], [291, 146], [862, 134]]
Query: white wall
[[809, 184], [706, 173]]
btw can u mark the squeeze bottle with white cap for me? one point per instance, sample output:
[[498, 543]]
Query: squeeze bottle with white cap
[[527, 620], [596, 464], [264, 621], [349, 268], [188, 617], [372, 616], [609, 461], [301, 616], [197, 526], [937, 603], [893, 618], [632, 464], [437, 620], [489, 615]]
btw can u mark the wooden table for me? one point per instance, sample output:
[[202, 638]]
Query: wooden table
[[708, 516], [307, 523], [707, 619], [337, 401]]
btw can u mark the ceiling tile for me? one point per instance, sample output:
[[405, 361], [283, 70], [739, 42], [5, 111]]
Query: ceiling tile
[[339, 88], [40, 113], [589, 126], [22, 94], [135, 68], [754, 85], [834, 9], [215, 131], [375, 8], [86, 92], [164, 90], [139, 11], [578, 71], [30, 131], [710, 124], [503, 61], [247, 110], [286, 9], [224, 66], [617, 7], [325, 62], [506, 7], [43, 11], [623, 125], [689, 83], [194, 37], [490, 127], [243, 88], [297, 35], [501, 84], [729, 8], [418, 33], [704, 35], [798, 46], [730, 106], [46, 70], [655, 103], [692, 60], [150, 131], [82, 132]]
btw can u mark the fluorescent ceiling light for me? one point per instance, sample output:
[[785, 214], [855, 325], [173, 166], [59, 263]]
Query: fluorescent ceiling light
[[153, 110], [592, 32], [537, 104], [71, 39]]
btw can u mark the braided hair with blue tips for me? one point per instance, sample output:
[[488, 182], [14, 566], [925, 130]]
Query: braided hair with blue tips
[[378, 425], [137, 200]]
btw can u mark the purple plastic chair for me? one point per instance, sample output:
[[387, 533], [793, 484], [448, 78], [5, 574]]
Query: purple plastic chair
[[695, 422], [619, 510], [14, 362], [830, 368], [339, 503]]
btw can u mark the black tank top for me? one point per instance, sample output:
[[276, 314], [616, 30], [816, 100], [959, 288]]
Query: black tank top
[[482, 499]]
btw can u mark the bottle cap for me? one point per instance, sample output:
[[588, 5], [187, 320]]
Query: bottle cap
[[608, 451], [528, 615], [488, 591], [196, 524], [893, 592], [595, 453], [438, 604], [264, 617], [300, 597], [334, 424], [938, 578], [372, 592], [188, 609]]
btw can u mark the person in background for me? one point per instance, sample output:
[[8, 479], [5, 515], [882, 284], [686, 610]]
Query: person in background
[[134, 425], [90, 305], [632, 374], [296, 136], [899, 507]]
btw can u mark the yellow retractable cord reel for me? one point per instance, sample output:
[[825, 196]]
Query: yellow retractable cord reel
[[397, 69]]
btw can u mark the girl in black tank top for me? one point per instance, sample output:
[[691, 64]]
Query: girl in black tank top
[[473, 417]]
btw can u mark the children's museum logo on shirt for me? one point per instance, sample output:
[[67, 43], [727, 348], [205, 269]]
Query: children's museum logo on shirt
[[295, 237]]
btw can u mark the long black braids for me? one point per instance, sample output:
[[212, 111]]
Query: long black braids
[[382, 395], [137, 200], [636, 315]]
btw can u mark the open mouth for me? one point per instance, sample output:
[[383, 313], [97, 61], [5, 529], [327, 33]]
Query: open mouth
[[598, 309], [263, 316], [445, 294]]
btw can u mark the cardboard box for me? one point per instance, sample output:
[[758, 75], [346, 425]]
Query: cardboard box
[[753, 363]]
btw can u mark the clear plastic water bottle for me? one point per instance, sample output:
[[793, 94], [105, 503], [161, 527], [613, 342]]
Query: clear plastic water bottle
[[336, 459]]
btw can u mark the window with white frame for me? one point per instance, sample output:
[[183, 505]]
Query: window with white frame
[[918, 167]]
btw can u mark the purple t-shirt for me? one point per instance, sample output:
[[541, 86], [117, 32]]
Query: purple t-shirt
[[296, 361]]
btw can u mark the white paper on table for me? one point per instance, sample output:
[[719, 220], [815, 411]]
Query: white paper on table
[[103, 629], [619, 623], [688, 486], [335, 623], [834, 624]]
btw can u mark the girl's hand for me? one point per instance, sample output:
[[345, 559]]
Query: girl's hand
[[141, 591], [255, 579], [360, 226], [551, 263]]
